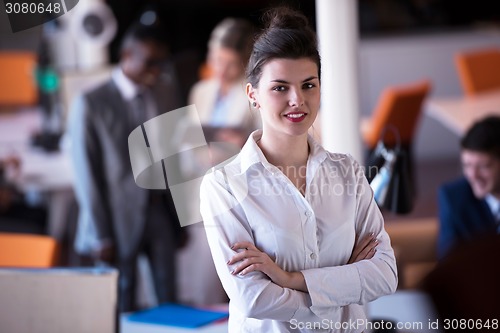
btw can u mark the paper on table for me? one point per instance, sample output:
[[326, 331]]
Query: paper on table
[[171, 314]]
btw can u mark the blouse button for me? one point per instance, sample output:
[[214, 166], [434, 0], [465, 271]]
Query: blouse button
[[308, 213], [312, 256]]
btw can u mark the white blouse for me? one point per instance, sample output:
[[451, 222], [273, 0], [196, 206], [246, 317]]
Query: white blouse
[[249, 199]]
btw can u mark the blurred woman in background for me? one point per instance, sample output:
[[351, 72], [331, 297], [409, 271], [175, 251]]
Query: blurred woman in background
[[220, 100], [225, 115]]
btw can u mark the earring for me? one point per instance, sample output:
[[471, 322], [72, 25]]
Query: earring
[[254, 104]]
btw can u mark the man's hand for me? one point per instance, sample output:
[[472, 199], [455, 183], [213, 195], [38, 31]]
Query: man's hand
[[364, 249], [10, 167], [105, 252]]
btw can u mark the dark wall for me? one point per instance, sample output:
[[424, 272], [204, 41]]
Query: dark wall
[[421, 16], [189, 22], [188, 25]]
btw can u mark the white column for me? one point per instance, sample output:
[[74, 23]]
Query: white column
[[337, 30]]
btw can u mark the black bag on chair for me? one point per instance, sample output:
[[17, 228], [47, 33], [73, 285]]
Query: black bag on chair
[[391, 183]]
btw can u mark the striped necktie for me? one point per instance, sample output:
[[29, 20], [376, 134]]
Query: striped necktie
[[138, 110]]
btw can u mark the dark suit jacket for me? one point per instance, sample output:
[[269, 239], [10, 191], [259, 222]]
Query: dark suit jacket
[[462, 216], [111, 205]]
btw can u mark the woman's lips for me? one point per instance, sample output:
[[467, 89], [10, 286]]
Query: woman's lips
[[295, 116]]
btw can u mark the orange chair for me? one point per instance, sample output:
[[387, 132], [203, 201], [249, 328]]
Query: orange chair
[[27, 250], [478, 70], [400, 107], [17, 82]]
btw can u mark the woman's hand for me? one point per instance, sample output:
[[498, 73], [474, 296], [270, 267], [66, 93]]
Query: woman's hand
[[365, 249], [252, 259]]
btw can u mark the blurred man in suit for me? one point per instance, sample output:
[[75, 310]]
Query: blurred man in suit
[[117, 219], [470, 206]]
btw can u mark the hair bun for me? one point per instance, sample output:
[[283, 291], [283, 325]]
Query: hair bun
[[285, 18], [287, 35]]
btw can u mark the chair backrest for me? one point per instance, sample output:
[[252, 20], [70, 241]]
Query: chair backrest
[[478, 70], [27, 250], [400, 107], [17, 78]]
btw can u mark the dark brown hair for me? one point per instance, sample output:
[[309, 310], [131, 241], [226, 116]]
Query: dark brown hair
[[143, 33], [484, 137], [287, 35]]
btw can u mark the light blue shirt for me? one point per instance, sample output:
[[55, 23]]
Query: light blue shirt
[[220, 112], [494, 205]]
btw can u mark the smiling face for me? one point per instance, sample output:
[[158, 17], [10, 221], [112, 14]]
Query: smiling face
[[288, 96], [482, 170]]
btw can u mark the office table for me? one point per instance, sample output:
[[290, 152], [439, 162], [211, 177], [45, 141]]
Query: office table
[[459, 113], [40, 170], [412, 309], [127, 326]]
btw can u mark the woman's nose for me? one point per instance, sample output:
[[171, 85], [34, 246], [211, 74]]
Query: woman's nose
[[296, 97]]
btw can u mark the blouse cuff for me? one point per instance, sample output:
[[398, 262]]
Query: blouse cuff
[[332, 286], [303, 314]]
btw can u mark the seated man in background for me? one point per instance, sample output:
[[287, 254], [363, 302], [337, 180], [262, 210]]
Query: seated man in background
[[470, 206], [117, 219]]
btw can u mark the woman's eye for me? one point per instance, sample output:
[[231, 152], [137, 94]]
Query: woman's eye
[[279, 88], [308, 85]]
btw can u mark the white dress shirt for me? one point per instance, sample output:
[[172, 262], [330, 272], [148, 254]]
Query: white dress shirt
[[249, 199], [494, 205], [129, 90]]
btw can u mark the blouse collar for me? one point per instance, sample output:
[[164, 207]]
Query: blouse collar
[[251, 153]]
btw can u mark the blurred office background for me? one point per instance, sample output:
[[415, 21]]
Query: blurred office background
[[398, 42]]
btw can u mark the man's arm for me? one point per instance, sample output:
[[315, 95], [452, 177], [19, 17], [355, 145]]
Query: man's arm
[[90, 186]]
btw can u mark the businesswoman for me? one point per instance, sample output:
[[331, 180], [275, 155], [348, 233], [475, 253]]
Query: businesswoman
[[297, 239]]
